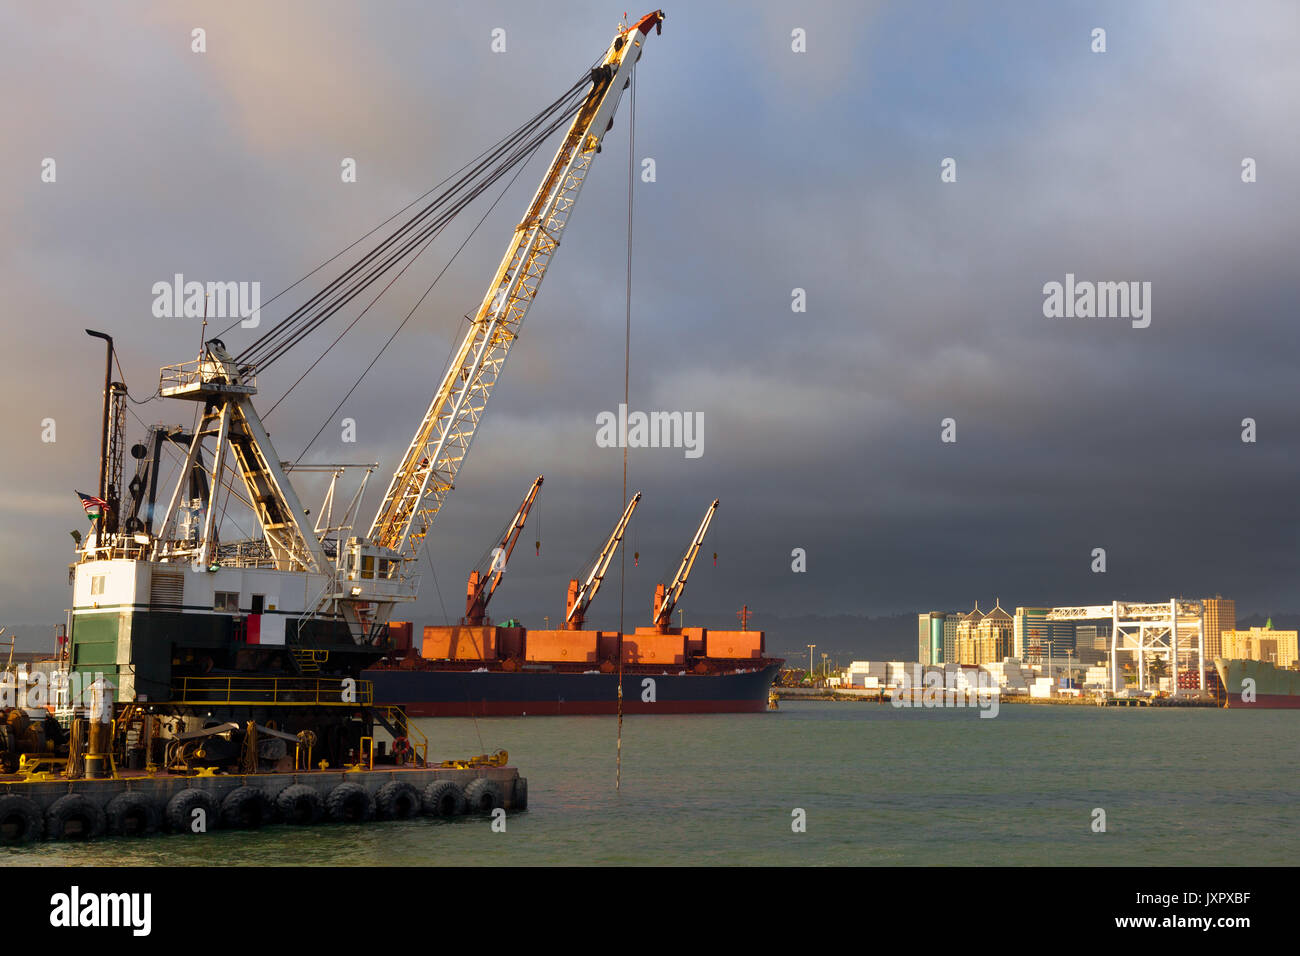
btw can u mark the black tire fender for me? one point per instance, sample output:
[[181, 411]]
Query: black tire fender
[[74, 817], [397, 800], [246, 808], [299, 804], [21, 820], [132, 814], [179, 812], [443, 798], [484, 795], [349, 803]]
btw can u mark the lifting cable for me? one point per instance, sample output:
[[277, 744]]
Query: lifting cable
[[514, 150], [627, 365], [402, 324], [363, 238]]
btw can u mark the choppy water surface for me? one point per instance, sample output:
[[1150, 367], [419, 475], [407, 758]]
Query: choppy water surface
[[879, 785]]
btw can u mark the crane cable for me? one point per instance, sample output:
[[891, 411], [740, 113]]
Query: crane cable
[[283, 330], [516, 148], [402, 324], [303, 278], [627, 365]]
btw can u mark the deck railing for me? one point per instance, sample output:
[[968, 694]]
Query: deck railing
[[272, 690]]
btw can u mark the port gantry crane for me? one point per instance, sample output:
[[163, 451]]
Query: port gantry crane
[[369, 573], [666, 598], [482, 583], [581, 596]]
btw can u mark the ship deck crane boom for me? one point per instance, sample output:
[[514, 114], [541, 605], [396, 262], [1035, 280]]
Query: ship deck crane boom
[[482, 585], [580, 597], [428, 470], [666, 598]]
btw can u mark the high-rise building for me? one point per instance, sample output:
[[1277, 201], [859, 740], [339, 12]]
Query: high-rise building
[[1262, 644], [932, 640], [1218, 614], [1092, 643], [965, 647], [950, 637], [1036, 636], [995, 635]]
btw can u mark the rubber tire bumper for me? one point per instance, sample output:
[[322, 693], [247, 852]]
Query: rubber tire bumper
[[179, 812], [443, 798], [349, 803], [21, 820], [132, 814], [67, 810], [397, 800], [484, 795], [299, 804], [246, 808]]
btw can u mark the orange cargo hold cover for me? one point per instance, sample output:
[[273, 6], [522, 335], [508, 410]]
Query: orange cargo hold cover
[[694, 639], [459, 642], [641, 648], [560, 647], [735, 644]]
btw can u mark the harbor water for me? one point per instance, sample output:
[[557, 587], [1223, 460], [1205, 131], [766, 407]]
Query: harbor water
[[878, 786]]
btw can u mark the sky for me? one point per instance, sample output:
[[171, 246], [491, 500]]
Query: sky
[[775, 170]]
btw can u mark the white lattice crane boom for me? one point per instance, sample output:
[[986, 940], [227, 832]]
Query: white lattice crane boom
[[428, 470]]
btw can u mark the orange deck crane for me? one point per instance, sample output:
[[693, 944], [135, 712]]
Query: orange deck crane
[[666, 598], [483, 582], [580, 595]]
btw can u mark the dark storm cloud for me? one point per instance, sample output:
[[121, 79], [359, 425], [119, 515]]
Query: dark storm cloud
[[774, 171]]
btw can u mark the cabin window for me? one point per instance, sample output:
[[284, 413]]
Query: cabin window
[[258, 602], [226, 602], [367, 565], [97, 583], [384, 572]]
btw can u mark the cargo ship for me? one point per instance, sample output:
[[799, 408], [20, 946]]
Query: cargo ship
[[1274, 688], [464, 671], [477, 669]]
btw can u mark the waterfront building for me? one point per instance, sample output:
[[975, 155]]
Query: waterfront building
[[932, 630], [1260, 644], [1218, 614], [964, 641], [1035, 636], [1092, 643], [995, 636]]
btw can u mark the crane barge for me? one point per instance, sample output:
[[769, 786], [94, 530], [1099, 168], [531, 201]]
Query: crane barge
[[222, 681]]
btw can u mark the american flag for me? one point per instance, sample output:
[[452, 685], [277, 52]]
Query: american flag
[[94, 506]]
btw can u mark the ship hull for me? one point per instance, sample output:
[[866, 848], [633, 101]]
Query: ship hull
[[496, 693], [1274, 688]]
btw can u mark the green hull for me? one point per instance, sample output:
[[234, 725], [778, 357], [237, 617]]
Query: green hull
[[1258, 684]]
